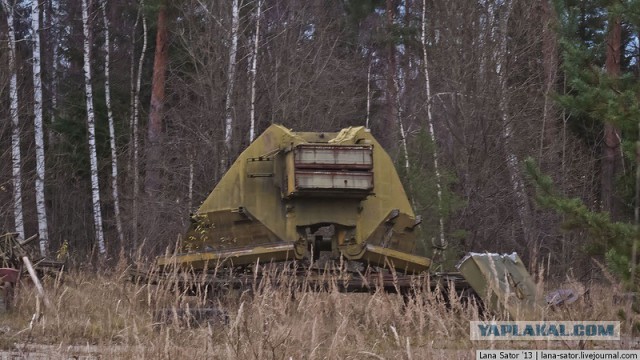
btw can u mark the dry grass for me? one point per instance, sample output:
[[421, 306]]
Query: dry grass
[[107, 316]]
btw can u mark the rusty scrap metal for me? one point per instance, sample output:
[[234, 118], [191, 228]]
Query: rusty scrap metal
[[13, 255]]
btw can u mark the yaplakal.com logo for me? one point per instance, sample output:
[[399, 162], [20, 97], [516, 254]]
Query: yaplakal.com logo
[[544, 330]]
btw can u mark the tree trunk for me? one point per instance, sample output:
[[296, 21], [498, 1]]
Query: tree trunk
[[549, 130], [403, 133], [132, 87], [50, 9], [634, 245], [368, 95], [391, 73], [112, 134], [254, 65], [397, 84], [154, 130], [512, 162], [611, 160], [91, 127], [190, 186], [231, 76], [54, 89], [135, 135], [15, 125], [432, 136], [41, 209]]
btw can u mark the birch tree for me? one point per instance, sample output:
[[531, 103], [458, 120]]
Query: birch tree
[[399, 87], [112, 134], [54, 67], [391, 88], [231, 76], [132, 85], [15, 125], [368, 94], [43, 229], [91, 128], [134, 135], [403, 133], [512, 162], [431, 131], [254, 65]]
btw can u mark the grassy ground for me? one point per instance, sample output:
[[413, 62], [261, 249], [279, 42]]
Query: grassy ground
[[98, 315]]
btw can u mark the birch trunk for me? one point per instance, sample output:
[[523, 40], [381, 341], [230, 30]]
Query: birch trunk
[[154, 129], [15, 125], [91, 128], [432, 135], [43, 228], [391, 72], [368, 95], [134, 135], [512, 162], [399, 85], [54, 89], [112, 134], [254, 68], [132, 88], [190, 191], [403, 134], [396, 88], [231, 75], [49, 11], [54, 72]]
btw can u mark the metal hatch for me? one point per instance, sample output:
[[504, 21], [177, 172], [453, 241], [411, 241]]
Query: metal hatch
[[313, 156], [330, 170]]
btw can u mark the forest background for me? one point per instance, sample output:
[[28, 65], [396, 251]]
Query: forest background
[[118, 118]]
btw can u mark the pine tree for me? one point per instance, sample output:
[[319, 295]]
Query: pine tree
[[602, 93], [605, 236], [156, 107]]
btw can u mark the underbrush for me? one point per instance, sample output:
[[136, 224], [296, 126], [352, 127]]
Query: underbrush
[[276, 318]]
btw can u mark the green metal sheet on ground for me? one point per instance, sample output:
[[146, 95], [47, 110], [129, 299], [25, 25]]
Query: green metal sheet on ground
[[503, 282]]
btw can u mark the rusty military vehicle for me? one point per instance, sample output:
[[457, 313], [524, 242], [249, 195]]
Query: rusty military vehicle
[[297, 196]]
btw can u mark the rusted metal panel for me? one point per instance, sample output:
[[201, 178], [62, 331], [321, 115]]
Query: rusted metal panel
[[9, 275], [333, 157], [399, 260], [239, 256], [334, 180]]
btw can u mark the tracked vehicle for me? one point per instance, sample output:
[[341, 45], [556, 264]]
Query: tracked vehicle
[[294, 196]]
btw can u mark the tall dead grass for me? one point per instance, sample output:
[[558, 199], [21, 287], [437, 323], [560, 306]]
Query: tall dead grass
[[105, 315]]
